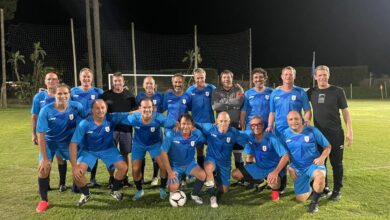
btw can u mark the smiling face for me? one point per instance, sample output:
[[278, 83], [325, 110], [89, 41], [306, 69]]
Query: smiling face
[[227, 80], [288, 77], [200, 79], [256, 126], [86, 78], [62, 95], [51, 81], [259, 80], [177, 83], [146, 108], [186, 126], [149, 85], [322, 77], [99, 109], [223, 122], [294, 120], [118, 84]]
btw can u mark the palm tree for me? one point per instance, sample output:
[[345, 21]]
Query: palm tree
[[14, 60], [37, 57]]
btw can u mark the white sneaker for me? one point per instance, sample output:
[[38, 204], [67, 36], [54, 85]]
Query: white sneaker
[[83, 199], [209, 184], [213, 202], [197, 199], [154, 181]]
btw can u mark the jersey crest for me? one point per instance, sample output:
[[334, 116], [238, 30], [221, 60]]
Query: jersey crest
[[152, 129], [264, 148], [192, 143], [107, 128], [93, 97], [307, 139], [154, 102], [184, 101], [293, 97], [71, 117], [207, 93], [228, 139], [267, 97]]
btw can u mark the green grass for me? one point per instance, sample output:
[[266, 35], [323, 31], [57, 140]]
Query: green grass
[[366, 194]]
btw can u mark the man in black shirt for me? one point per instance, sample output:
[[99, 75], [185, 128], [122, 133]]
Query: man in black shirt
[[326, 101], [119, 99]]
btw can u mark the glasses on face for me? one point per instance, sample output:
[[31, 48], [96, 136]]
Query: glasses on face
[[256, 125]]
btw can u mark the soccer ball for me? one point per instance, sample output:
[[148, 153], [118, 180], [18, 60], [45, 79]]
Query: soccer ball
[[178, 199]]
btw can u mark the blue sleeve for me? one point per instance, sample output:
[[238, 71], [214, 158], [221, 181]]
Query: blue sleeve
[[42, 123], [118, 117], [130, 120], [138, 99], [35, 105], [189, 103], [165, 102], [245, 106], [248, 149], [100, 92], [79, 132], [320, 138], [271, 102], [165, 121], [278, 146], [242, 137], [167, 142], [201, 138], [305, 101], [204, 127]]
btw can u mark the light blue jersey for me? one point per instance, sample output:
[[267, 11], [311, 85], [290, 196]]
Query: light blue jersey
[[85, 97], [181, 151], [157, 99], [59, 126], [201, 108], [40, 100], [303, 146], [176, 105], [257, 103], [148, 134], [267, 152], [282, 103], [219, 145]]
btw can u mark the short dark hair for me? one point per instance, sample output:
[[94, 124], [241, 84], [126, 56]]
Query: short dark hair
[[260, 70], [187, 117], [178, 75]]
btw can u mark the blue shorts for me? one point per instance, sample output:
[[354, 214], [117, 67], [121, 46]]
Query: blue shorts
[[259, 173], [222, 172], [60, 149], [139, 151], [124, 141], [184, 169], [302, 183], [109, 156]]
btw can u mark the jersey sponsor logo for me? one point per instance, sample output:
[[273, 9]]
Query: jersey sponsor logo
[[107, 128], [71, 116], [169, 100], [192, 93], [277, 97], [154, 102], [228, 139], [207, 93], [264, 148], [293, 97], [192, 143], [267, 97], [250, 142], [288, 140], [184, 101], [136, 127], [52, 118], [306, 138], [251, 97], [43, 101], [214, 135], [152, 129], [93, 97], [75, 96], [176, 142], [239, 94], [321, 98], [89, 132]]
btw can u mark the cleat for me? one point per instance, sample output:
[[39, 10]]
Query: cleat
[[138, 195], [260, 187], [213, 202], [326, 192], [118, 196], [282, 192], [154, 181], [163, 193], [94, 184], [209, 184], [183, 185], [42, 206], [83, 199], [313, 208], [241, 183], [275, 196], [62, 188], [336, 196], [110, 182], [197, 199]]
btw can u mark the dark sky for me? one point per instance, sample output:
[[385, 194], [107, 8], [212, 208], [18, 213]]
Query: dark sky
[[284, 32]]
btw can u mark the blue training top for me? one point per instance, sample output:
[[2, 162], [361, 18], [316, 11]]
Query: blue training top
[[157, 99], [40, 100], [257, 103], [176, 105], [85, 97], [201, 108]]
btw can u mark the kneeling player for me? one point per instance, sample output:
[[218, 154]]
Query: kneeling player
[[178, 156], [270, 155], [306, 161], [56, 124], [95, 135]]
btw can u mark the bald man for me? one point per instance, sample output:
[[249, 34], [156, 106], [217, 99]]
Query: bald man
[[306, 161]]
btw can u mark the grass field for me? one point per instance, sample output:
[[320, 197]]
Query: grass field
[[366, 194]]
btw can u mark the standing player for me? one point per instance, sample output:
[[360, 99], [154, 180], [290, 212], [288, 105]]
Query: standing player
[[157, 97], [178, 152], [256, 100], [56, 124], [284, 99], [176, 101], [86, 94], [270, 155], [119, 99], [41, 99], [306, 161], [201, 109], [220, 141], [229, 98], [326, 101], [95, 135], [147, 137]]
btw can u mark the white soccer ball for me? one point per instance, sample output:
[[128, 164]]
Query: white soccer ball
[[178, 199]]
